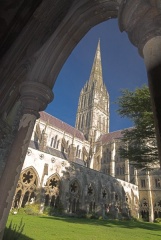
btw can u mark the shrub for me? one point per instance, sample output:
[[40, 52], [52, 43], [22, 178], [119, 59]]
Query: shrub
[[92, 216], [32, 209], [14, 231], [157, 220], [81, 213], [51, 211]]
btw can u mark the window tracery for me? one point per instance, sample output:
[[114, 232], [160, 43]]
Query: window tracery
[[26, 189], [157, 209], [104, 194], [74, 202], [52, 190]]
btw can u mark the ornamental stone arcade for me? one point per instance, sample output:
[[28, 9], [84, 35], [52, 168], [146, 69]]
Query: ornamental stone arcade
[[36, 39]]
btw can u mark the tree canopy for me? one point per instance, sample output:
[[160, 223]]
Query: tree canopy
[[139, 142]]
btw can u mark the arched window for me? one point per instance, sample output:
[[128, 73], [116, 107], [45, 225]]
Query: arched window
[[52, 140], [57, 146], [74, 191], [52, 189], [26, 188], [82, 123], [79, 121], [84, 101], [87, 99], [55, 141], [77, 151]]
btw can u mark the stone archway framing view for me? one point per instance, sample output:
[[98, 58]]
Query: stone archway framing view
[[32, 63]]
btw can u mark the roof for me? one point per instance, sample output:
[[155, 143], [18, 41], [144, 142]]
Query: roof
[[108, 137], [57, 123]]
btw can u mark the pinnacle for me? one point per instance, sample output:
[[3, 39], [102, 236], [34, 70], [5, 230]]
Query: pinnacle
[[96, 72]]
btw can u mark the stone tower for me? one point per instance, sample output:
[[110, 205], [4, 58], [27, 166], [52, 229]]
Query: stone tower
[[93, 107]]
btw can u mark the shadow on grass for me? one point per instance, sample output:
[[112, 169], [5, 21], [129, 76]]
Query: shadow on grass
[[10, 233], [109, 223], [15, 231]]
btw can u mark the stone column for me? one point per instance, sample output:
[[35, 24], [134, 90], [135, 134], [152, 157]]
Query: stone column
[[152, 59], [112, 163], [127, 171], [150, 199], [136, 176], [34, 98], [141, 19]]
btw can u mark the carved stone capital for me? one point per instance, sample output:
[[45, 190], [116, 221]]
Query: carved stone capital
[[141, 20], [35, 97]]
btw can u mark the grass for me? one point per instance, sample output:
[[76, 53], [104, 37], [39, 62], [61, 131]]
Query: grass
[[66, 228]]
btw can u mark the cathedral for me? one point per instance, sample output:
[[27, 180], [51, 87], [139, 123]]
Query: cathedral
[[78, 167], [81, 167]]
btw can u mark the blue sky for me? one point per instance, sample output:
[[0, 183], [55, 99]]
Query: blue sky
[[122, 68]]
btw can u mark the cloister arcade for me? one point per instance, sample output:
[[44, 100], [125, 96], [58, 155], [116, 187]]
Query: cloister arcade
[[32, 60]]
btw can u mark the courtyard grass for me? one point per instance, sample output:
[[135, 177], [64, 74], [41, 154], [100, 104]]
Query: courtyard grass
[[67, 228]]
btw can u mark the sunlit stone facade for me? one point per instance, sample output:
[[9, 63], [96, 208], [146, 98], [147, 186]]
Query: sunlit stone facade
[[80, 168]]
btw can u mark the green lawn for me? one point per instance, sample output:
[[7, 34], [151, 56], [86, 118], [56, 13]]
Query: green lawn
[[50, 228]]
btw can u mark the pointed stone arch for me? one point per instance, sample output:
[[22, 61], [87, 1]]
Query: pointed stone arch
[[91, 197], [43, 67], [75, 193], [26, 188], [144, 208], [157, 208], [52, 191]]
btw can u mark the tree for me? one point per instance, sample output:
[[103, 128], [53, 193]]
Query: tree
[[139, 142]]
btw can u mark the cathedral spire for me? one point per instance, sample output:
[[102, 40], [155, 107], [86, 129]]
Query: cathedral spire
[[93, 107], [96, 72]]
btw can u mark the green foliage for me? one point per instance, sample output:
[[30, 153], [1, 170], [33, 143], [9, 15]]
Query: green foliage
[[138, 143], [13, 231], [32, 209], [92, 216], [54, 211], [157, 220], [81, 213]]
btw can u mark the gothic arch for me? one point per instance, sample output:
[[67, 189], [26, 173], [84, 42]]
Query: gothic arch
[[35, 172], [144, 209], [44, 66], [83, 17], [74, 195], [75, 187], [105, 195], [157, 208], [91, 197], [26, 188], [52, 190]]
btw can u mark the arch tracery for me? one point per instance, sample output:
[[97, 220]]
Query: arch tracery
[[26, 188], [51, 70], [52, 191], [74, 196]]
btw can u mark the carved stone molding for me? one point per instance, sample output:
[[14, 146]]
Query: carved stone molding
[[35, 97], [141, 20]]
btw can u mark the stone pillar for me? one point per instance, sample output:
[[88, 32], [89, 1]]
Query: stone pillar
[[34, 98], [136, 176], [141, 19], [112, 163], [127, 171], [150, 199], [152, 58]]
